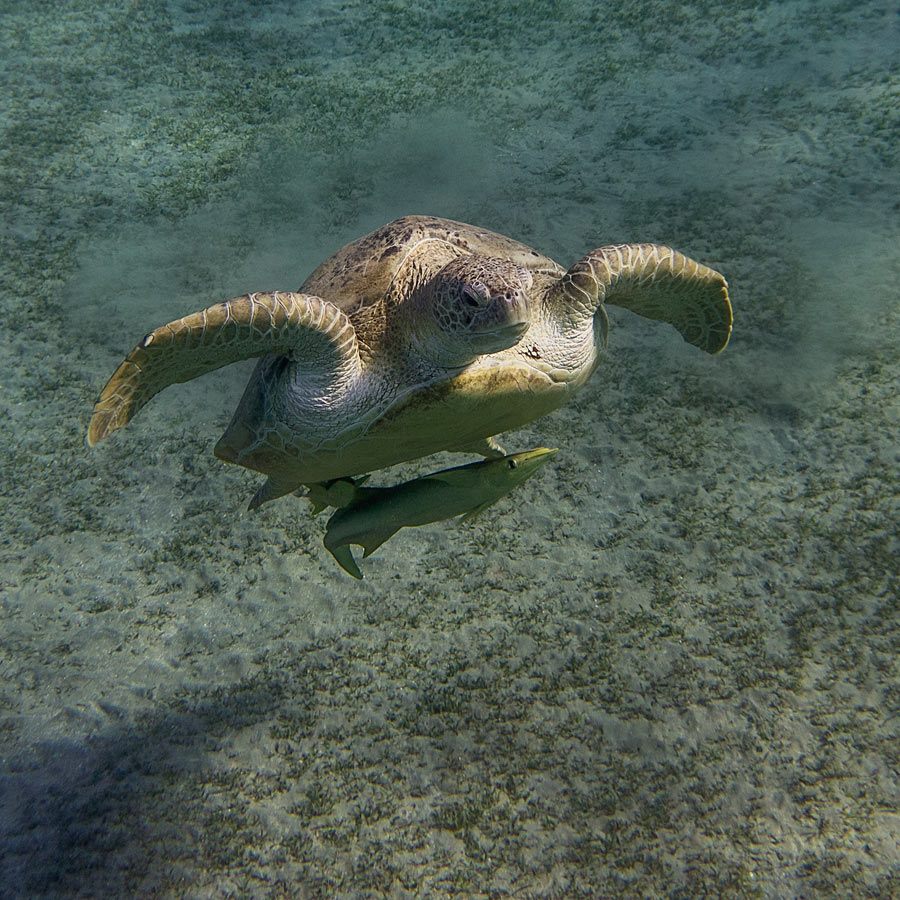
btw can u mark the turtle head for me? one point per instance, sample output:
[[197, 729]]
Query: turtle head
[[473, 305]]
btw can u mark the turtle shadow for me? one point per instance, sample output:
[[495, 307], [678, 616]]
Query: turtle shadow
[[148, 807], [112, 815]]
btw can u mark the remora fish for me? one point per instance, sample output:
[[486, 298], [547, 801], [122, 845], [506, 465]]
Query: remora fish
[[375, 514]]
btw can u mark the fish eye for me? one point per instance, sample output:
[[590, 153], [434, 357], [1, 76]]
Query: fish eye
[[512, 463]]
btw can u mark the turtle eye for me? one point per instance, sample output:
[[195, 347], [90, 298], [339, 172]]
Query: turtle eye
[[474, 295]]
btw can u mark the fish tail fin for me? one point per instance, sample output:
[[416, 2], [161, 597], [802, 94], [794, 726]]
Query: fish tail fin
[[338, 492]]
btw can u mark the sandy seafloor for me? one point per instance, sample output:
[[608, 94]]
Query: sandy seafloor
[[665, 666]]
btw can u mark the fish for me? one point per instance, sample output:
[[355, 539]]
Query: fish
[[368, 516]]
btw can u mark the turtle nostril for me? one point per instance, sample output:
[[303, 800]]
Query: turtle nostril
[[517, 300]]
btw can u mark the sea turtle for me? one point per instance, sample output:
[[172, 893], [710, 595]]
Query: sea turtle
[[425, 335]]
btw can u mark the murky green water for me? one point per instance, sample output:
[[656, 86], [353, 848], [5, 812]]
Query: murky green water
[[666, 665]]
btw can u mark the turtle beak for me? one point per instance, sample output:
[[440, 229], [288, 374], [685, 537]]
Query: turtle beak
[[514, 329], [508, 320]]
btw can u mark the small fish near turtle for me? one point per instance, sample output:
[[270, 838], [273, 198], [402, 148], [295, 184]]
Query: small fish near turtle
[[367, 517], [425, 335]]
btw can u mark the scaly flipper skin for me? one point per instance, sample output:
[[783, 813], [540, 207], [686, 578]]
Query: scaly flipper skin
[[248, 326], [659, 283]]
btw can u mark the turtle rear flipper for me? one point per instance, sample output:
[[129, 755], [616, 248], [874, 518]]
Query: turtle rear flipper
[[248, 326]]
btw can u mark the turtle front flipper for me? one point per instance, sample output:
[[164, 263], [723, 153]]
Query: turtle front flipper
[[248, 326], [656, 282]]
